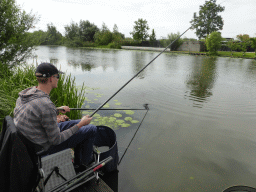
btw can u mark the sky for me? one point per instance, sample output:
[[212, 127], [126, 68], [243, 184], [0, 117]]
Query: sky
[[164, 16]]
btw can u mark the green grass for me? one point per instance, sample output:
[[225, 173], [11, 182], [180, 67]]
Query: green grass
[[20, 78], [236, 54]]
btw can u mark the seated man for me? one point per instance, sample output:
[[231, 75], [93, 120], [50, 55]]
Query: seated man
[[35, 116]]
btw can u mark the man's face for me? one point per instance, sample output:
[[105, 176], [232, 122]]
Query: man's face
[[55, 79]]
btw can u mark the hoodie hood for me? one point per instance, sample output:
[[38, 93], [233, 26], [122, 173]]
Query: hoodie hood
[[30, 94]]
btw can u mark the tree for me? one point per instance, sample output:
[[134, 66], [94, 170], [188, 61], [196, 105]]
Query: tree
[[253, 43], [87, 30], [170, 38], [54, 37], [15, 23], [72, 31], [208, 20], [152, 37], [233, 45], [213, 42], [245, 42], [140, 30]]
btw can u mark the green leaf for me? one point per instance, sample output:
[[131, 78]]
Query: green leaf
[[129, 112], [118, 115], [128, 119], [125, 125], [134, 121], [118, 103], [119, 121]]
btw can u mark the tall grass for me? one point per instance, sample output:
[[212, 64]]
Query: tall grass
[[14, 81]]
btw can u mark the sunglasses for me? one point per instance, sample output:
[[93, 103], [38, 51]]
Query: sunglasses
[[57, 76]]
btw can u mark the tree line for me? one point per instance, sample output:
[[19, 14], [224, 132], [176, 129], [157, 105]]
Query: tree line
[[16, 42]]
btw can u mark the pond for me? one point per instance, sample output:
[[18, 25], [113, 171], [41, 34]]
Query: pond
[[199, 133]]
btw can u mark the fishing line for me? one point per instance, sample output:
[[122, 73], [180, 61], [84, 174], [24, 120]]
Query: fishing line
[[146, 106]]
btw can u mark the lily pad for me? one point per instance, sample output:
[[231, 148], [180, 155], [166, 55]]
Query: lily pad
[[112, 119], [128, 119], [115, 100], [134, 121], [118, 103], [129, 112], [106, 106], [119, 121], [125, 125], [118, 115]]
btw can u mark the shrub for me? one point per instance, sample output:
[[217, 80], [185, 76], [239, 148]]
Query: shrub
[[213, 42]]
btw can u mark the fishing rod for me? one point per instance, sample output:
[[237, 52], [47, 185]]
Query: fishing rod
[[137, 74]]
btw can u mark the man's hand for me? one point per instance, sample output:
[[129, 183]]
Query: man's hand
[[84, 121], [62, 118], [66, 109]]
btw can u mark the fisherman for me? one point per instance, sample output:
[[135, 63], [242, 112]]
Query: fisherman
[[36, 117]]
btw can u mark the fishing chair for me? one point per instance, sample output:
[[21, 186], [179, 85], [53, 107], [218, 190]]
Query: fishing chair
[[23, 167]]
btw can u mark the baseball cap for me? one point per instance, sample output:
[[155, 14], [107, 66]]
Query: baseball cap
[[46, 70]]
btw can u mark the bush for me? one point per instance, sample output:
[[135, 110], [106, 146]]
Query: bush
[[213, 42], [171, 38], [103, 38]]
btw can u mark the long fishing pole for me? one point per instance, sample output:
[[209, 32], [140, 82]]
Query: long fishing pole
[[137, 74]]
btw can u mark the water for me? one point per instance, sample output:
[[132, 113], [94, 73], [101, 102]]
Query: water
[[199, 134]]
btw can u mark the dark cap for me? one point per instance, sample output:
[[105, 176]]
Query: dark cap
[[46, 70]]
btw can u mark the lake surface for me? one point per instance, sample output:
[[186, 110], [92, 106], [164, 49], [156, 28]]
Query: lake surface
[[199, 133]]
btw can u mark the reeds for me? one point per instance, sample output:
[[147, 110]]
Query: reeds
[[20, 78]]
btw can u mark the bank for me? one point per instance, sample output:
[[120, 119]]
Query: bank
[[246, 55]]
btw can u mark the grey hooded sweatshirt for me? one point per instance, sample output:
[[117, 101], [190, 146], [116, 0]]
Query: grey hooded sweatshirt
[[35, 116]]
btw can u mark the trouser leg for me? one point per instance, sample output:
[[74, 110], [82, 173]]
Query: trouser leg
[[82, 141]]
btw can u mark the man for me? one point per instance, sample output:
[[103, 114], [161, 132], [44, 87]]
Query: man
[[35, 116]]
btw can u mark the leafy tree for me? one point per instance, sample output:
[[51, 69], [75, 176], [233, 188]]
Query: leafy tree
[[213, 42], [72, 31], [152, 37], [208, 20], [54, 37], [253, 44], [104, 36], [87, 30], [140, 30], [245, 42], [15, 44], [233, 45], [170, 38]]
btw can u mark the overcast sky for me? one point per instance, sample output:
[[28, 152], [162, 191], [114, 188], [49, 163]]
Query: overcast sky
[[164, 16]]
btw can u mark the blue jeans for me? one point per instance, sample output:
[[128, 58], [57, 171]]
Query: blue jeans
[[82, 141]]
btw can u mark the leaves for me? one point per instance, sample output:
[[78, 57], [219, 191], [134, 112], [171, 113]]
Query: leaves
[[208, 20]]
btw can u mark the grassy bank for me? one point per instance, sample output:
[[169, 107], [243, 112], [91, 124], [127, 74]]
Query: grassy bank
[[14, 81]]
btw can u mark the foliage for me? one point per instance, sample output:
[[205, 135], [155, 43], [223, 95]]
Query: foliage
[[243, 37], [208, 20], [87, 30], [171, 37], [233, 45], [253, 43], [140, 30], [72, 31], [14, 81], [152, 37], [53, 37], [189, 39], [245, 42], [213, 42], [103, 37], [15, 44]]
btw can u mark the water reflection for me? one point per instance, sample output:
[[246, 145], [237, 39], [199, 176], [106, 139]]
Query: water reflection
[[82, 65], [138, 63], [201, 80]]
